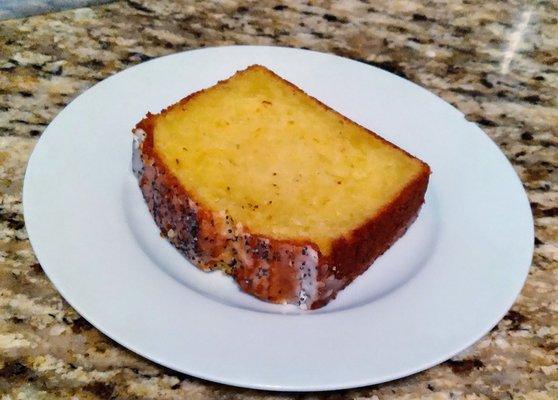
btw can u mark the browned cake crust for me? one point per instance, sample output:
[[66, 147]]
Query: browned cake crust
[[278, 271]]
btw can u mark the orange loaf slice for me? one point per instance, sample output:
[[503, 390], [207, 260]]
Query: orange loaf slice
[[254, 177]]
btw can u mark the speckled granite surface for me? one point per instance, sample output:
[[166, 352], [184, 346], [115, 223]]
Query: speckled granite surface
[[496, 62]]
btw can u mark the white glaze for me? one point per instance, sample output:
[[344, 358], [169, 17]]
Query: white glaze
[[308, 276], [137, 162]]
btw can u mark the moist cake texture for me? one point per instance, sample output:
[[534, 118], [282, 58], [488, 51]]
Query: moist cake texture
[[256, 178]]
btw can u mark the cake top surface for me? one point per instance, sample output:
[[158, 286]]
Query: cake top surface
[[278, 161]]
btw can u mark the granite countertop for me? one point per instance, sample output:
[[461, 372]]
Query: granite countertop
[[495, 61]]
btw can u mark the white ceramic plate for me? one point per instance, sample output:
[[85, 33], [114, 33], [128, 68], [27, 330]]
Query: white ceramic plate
[[441, 287]]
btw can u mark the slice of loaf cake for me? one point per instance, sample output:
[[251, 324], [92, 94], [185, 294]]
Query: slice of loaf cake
[[254, 177]]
